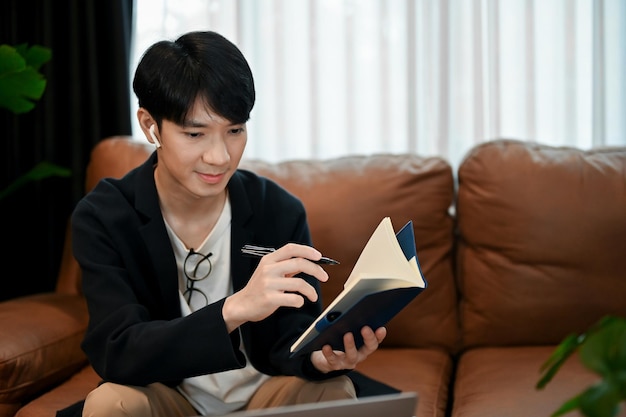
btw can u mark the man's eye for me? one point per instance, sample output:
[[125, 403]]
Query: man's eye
[[237, 130]]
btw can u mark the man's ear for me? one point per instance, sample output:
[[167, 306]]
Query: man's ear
[[147, 122]]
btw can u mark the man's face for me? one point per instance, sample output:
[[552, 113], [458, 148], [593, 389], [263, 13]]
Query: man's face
[[202, 155]]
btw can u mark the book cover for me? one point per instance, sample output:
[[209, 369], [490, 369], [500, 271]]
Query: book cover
[[386, 277]]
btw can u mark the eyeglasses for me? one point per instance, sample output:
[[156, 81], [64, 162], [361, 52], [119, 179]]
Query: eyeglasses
[[196, 268]]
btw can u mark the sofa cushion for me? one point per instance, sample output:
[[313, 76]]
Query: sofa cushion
[[41, 337], [501, 382], [428, 372], [347, 197], [542, 249], [70, 392]]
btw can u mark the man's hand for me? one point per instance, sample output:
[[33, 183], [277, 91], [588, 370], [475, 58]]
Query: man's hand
[[274, 284], [327, 359]]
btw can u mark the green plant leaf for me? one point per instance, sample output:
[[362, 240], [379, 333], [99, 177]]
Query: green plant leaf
[[600, 400], [21, 83], [562, 352], [40, 171], [604, 351], [35, 56], [10, 59], [569, 405]]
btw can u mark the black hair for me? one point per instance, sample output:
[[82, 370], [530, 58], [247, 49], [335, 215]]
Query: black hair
[[172, 75]]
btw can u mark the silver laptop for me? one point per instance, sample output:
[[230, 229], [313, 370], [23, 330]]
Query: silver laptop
[[389, 405]]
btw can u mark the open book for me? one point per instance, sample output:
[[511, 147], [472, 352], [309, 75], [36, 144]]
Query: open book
[[385, 278]]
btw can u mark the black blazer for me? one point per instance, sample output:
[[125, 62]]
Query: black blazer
[[136, 334]]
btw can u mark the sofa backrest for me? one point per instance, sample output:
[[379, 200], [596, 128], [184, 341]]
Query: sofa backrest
[[542, 241], [345, 199]]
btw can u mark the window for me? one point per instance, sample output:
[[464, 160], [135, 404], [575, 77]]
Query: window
[[433, 77]]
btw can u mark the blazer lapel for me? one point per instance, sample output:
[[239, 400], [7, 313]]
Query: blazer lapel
[[241, 232], [156, 239]]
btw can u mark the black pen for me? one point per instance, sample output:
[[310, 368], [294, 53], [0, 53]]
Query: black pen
[[259, 251]]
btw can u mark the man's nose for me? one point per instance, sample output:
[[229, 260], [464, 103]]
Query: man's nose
[[216, 152]]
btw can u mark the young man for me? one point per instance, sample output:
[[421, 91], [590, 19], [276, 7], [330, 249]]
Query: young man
[[180, 323]]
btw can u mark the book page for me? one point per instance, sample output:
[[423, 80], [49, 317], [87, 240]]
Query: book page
[[382, 257]]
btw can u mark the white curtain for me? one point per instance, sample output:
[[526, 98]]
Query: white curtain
[[433, 77]]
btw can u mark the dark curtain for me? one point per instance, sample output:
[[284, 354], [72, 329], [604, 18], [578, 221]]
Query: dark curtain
[[86, 99]]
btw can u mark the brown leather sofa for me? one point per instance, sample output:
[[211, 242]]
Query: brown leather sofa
[[524, 245]]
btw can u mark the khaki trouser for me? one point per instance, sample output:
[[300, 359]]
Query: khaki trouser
[[158, 400]]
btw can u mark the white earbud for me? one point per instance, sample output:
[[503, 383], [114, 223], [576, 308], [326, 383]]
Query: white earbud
[[154, 138]]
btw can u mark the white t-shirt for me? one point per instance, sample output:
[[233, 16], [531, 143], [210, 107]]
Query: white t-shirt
[[227, 391]]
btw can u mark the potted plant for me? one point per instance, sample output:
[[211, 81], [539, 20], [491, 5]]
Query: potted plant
[[602, 349], [21, 85]]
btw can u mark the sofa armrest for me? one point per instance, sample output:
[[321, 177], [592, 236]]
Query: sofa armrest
[[40, 338]]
